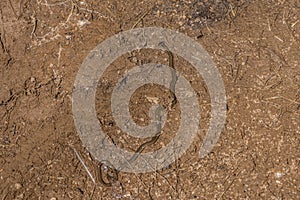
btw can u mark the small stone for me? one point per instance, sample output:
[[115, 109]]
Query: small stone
[[18, 186], [21, 196], [278, 174], [152, 99]]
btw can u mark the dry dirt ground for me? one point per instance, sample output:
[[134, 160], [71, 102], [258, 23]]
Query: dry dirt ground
[[255, 45]]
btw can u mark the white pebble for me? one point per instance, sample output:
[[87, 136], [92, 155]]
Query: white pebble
[[278, 174]]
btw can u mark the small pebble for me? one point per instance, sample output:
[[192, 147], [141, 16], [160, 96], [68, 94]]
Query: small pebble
[[278, 175], [18, 186]]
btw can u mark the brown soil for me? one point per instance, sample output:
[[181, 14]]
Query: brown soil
[[255, 45]]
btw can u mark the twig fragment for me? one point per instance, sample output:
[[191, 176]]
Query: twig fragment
[[2, 44], [71, 13], [59, 55], [35, 21], [141, 18], [282, 97], [85, 167]]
